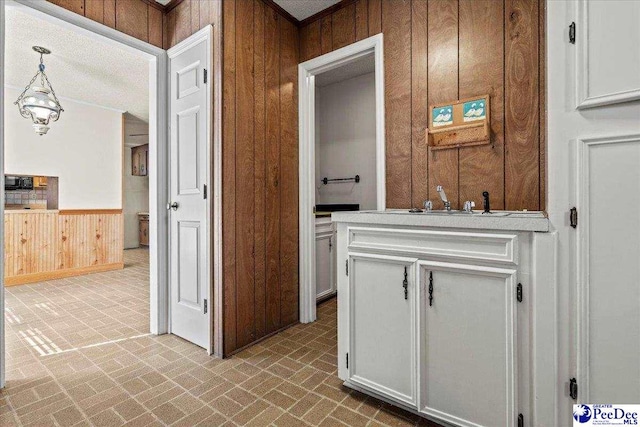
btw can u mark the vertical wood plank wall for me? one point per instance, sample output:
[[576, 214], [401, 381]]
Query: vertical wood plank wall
[[137, 18], [259, 162], [443, 50], [43, 245]]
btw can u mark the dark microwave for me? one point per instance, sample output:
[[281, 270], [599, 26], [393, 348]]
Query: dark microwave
[[18, 183]]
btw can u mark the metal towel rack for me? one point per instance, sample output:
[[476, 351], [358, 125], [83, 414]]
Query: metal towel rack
[[326, 180]]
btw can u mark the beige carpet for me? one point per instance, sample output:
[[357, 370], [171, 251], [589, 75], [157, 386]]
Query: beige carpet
[[79, 353]]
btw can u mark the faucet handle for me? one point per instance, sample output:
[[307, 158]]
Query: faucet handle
[[469, 205], [428, 205]]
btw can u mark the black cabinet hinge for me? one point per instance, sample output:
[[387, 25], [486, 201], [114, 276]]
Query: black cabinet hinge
[[346, 266], [347, 360], [430, 288], [573, 388], [206, 307], [519, 292], [520, 420], [573, 217], [204, 191], [205, 76], [405, 284], [572, 33]]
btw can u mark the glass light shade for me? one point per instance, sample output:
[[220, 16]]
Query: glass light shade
[[40, 106]]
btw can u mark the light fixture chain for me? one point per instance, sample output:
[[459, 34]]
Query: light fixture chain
[[26, 88], [52, 91]]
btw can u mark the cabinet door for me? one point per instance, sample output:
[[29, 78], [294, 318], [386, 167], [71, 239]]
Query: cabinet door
[[323, 266], [468, 344], [383, 326]]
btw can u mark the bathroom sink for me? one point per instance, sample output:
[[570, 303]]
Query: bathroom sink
[[444, 212]]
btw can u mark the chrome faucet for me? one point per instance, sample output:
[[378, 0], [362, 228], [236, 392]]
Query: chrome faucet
[[443, 196], [469, 205], [428, 206]]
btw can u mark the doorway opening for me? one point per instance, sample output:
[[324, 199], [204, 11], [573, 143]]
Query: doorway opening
[[342, 155], [91, 237]]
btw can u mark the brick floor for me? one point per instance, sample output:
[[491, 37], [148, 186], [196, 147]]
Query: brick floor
[[79, 353]]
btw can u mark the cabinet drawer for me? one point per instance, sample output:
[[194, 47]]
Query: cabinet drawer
[[445, 245]]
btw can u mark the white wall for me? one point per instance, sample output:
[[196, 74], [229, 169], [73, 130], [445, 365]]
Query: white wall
[[346, 141], [83, 149], [136, 188]]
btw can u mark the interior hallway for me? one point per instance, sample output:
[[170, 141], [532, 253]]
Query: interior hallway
[[79, 353]]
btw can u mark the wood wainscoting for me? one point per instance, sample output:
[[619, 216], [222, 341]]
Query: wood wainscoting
[[46, 245]]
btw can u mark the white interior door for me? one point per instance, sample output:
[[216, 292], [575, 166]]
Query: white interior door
[[190, 115], [593, 139]]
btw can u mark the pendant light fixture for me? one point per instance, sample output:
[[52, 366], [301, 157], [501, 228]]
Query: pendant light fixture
[[39, 103]]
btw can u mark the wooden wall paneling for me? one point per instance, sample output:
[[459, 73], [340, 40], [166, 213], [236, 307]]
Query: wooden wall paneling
[[289, 166], [443, 87], [260, 173], [110, 13], [343, 26], [205, 15], [245, 177], [542, 78], [419, 106], [229, 174], [522, 163], [310, 45], [76, 6], [195, 15], [362, 19], [396, 24], [155, 26], [481, 71], [326, 37], [178, 24], [375, 17], [272, 205], [94, 10], [132, 18], [40, 246]]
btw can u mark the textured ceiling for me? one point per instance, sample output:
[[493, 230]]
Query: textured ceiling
[[163, 2], [364, 65], [80, 68], [302, 9]]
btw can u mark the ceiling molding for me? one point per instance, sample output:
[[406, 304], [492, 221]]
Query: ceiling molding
[[326, 12]]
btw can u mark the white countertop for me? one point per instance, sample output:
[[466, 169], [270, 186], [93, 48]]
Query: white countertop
[[497, 220]]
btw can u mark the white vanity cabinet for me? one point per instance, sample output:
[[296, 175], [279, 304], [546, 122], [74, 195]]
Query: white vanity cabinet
[[325, 258], [462, 357], [468, 338], [383, 320]]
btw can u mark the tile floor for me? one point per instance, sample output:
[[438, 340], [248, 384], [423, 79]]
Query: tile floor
[[79, 353]]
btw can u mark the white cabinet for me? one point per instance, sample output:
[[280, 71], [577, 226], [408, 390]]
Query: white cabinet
[[382, 354], [325, 258], [468, 343], [465, 359]]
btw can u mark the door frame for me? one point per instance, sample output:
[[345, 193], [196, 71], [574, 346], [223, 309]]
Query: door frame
[[306, 104], [158, 151], [214, 151]]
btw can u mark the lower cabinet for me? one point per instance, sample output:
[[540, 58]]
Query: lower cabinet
[[325, 259], [429, 321], [468, 324], [382, 354]]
